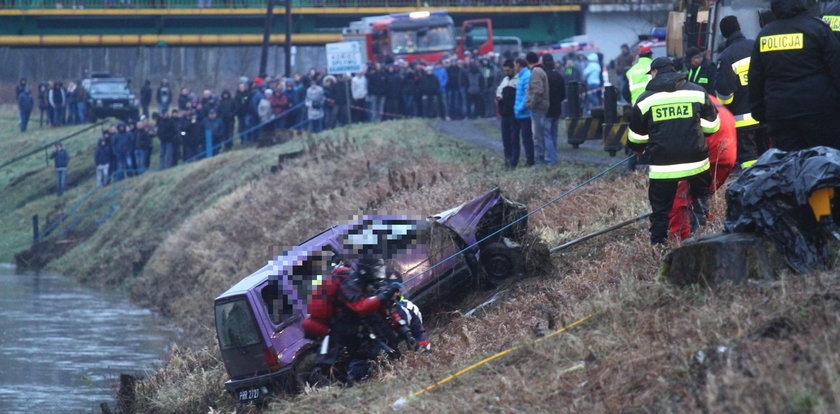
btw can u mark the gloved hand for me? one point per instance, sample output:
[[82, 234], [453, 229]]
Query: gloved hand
[[424, 346], [386, 293]]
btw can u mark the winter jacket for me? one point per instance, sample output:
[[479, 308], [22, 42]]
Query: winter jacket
[[164, 95], [71, 96], [457, 78], [194, 136], [122, 143], [637, 79], [359, 87], [102, 154], [25, 102], [704, 75], [256, 99], [216, 128], [623, 62], [429, 84], [142, 140], [475, 82], [732, 85], [376, 83], [243, 100], [279, 103], [340, 90], [264, 110], [61, 157], [57, 97], [443, 77], [522, 80], [669, 122], [507, 92], [831, 15], [182, 101], [592, 72], [409, 84], [43, 98], [167, 130], [315, 102], [556, 93], [794, 67], [393, 85], [145, 95], [537, 97], [226, 108]]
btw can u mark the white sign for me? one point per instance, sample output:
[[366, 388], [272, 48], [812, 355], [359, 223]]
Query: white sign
[[344, 57]]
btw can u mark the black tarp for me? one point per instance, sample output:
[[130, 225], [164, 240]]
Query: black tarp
[[771, 198]]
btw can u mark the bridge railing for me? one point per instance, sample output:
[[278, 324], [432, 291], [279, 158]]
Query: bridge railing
[[260, 4]]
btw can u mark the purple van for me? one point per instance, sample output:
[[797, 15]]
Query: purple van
[[258, 320]]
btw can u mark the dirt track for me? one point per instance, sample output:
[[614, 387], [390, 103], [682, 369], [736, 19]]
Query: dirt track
[[477, 132]]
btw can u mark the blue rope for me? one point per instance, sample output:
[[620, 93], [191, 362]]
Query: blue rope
[[573, 189]]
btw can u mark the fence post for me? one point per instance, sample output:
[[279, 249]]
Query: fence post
[[36, 235], [610, 105], [208, 143]]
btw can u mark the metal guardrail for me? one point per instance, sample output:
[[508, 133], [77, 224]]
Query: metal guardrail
[[261, 4]]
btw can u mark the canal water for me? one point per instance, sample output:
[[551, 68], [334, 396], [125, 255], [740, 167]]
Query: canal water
[[63, 345]]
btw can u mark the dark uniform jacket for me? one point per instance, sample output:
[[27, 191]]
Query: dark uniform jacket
[[668, 122], [732, 86], [795, 66], [831, 15], [556, 93], [704, 75]]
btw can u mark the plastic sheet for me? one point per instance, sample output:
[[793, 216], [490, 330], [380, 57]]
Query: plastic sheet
[[771, 199]]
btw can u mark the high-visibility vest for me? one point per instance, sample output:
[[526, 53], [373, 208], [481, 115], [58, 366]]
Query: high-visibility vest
[[638, 78]]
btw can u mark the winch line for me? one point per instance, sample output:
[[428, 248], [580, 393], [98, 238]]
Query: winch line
[[399, 403], [572, 190]]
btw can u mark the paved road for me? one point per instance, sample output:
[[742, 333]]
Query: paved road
[[476, 132]]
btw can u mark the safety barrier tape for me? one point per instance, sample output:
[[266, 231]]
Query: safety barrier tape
[[404, 400], [558, 198]]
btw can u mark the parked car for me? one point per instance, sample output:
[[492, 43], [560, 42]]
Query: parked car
[[111, 96], [258, 320]]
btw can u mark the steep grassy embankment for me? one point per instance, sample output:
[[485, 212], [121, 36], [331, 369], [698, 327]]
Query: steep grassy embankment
[[182, 236]]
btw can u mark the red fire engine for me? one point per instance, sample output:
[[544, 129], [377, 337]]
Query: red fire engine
[[419, 35]]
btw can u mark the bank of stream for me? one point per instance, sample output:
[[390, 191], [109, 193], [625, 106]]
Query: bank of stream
[[64, 345]]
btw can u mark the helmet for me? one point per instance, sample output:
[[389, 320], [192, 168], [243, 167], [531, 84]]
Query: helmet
[[371, 268]]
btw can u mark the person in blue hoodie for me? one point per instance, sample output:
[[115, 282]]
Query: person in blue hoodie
[[522, 126], [122, 144], [443, 77], [62, 159]]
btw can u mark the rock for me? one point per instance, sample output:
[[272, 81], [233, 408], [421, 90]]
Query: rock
[[716, 258]]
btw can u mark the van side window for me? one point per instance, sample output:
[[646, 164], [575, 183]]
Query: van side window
[[276, 304]]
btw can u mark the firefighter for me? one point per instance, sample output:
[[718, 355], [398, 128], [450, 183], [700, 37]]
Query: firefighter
[[342, 299], [637, 76], [732, 89], [667, 128], [794, 78], [701, 71], [410, 321]]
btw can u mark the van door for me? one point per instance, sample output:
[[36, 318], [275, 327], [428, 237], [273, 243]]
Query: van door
[[240, 339]]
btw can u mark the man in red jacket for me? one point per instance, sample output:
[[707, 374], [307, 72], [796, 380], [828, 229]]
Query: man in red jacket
[[722, 154]]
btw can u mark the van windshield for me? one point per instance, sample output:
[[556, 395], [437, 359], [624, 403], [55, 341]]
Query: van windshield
[[235, 325]]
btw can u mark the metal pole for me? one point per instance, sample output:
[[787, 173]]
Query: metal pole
[[349, 101], [35, 231], [269, 12], [287, 47], [598, 233], [610, 105]]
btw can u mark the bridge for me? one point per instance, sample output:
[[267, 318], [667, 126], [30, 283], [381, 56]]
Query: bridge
[[88, 23]]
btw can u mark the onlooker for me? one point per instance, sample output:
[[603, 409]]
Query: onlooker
[[62, 160], [622, 63], [20, 87], [359, 90], [443, 79], [146, 96], [81, 103], [184, 99], [122, 143], [214, 126], [142, 146], [475, 87], [164, 96], [57, 99], [592, 74], [315, 107], [430, 90], [25, 105], [522, 126], [243, 118], [392, 93], [167, 134], [193, 133], [102, 159], [43, 105], [227, 109], [376, 91], [537, 100], [506, 99], [556, 96], [72, 114]]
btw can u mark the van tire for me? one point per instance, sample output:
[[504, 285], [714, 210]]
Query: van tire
[[500, 261], [302, 371]]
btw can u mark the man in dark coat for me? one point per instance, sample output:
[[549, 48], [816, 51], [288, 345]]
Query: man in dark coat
[[25, 104], [556, 96], [122, 144], [227, 110], [214, 126], [146, 96], [62, 160]]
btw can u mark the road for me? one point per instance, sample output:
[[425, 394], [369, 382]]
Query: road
[[484, 133]]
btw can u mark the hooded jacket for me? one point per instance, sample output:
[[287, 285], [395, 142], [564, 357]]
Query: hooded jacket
[[732, 86], [669, 122], [795, 66], [102, 154], [522, 79], [538, 92]]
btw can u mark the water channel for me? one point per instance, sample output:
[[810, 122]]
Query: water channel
[[63, 345]]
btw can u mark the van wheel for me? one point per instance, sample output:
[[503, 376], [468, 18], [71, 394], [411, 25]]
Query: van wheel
[[500, 261], [303, 369]]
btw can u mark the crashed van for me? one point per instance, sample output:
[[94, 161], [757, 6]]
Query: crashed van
[[259, 319]]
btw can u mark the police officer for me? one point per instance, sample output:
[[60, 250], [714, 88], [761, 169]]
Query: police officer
[[667, 128], [637, 76], [794, 78], [732, 88], [701, 71], [831, 15]]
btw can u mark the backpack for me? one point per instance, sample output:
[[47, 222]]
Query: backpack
[[321, 307]]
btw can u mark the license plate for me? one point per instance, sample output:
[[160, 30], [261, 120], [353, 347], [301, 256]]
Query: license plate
[[116, 105], [248, 395]]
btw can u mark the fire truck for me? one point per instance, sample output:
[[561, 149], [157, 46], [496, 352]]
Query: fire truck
[[426, 35]]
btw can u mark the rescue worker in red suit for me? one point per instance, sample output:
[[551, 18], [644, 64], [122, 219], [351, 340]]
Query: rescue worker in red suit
[[342, 301], [722, 156]]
